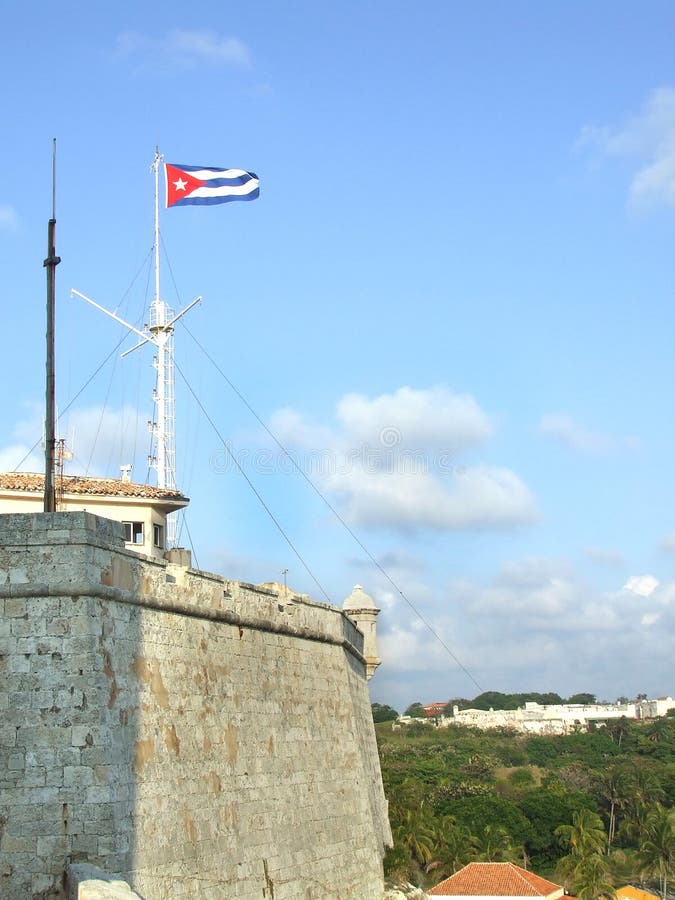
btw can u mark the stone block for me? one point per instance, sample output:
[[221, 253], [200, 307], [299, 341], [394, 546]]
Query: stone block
[[78, 776], [83, 736], [58, 626], [85, 843], [51, 845], [12, 844], [42, 883], [22, 626], [16, 762]]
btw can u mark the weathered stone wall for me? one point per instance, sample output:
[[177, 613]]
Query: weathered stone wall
[[193, 735]]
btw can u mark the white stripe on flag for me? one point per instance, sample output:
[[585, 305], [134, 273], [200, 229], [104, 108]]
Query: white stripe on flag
[[226, 190], [208, 174]]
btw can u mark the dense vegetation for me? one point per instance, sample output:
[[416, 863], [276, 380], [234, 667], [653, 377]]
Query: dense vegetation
[[497, 700], [587, 810]]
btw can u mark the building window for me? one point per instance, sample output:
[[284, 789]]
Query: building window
[[158, 536], [133, 532]]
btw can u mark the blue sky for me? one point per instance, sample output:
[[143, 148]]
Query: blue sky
[[452, 303]]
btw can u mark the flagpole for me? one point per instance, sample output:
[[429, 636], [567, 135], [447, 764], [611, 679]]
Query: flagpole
[[50, 263], [163, 427], [155, 165], [159, 332]]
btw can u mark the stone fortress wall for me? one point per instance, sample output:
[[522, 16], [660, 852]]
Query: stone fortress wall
[[196, 736]]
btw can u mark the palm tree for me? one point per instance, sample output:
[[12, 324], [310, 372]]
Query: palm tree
[[585, 868], [657, 851], [646, 787], [620, 729], [456, 847], [642, 790], [658, 730], [625, 866], [614, 792], [586, 834], [494, 845], [416, 835], [590, 879]]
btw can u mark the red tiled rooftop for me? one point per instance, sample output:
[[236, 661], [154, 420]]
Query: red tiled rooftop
[[80, 484], [434, 709], [494, 880]]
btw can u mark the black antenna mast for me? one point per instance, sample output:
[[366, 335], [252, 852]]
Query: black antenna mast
[[50, 264]]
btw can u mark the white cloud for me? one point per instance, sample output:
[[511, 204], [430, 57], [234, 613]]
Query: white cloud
[[184, 48], [480, 497], [535, 625], [393, 462], [8, 218], [567, 431], [648, 138], [412, 418], [642, 585]]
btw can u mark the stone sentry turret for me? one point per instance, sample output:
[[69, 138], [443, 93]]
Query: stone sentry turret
[[362, 610]]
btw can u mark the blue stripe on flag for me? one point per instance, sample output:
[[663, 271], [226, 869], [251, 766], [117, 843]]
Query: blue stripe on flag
[[197, 168], [209, 201], [230, 182]]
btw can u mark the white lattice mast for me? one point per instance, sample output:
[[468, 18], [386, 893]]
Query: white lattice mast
[[161, 326], [159, 332]]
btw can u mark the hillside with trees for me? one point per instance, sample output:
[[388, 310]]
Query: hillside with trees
[[590, 811]]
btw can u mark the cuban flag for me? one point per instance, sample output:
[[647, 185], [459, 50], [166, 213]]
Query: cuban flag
[[196, 185]]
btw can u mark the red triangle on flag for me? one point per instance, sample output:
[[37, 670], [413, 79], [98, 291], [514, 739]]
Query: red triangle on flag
[[179, 184]]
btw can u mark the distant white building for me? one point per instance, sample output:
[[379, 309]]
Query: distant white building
[[534, 718]]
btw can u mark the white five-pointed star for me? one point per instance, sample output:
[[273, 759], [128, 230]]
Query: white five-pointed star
[[180, 184]]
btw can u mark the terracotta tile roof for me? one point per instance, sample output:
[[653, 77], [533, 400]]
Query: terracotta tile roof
[[79, 484], [495, 880], [434, 709]]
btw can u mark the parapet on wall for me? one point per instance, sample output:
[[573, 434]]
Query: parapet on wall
[[194, 735]]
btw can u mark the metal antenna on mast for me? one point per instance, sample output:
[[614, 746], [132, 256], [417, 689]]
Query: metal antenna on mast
[[159, 332]]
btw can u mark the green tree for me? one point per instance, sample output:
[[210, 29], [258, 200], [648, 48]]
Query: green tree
[[620, 729], [415, 711], [456, 847], [494, 700], [415, 834], [657, 851], [495, 845], [591, 879], [397, 863], [546, 810], [383, 713], [476, 812], [585, 699], [408, 794], [643, 791], [659, 730], [585, 836], [613, 789], [459, 702], [585, 868]]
